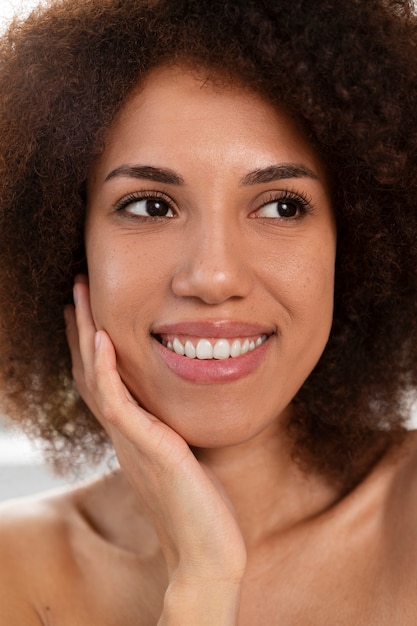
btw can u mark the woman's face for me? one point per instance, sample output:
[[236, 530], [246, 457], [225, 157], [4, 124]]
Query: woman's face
[[210, 231]]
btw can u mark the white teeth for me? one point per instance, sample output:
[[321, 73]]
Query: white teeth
[[235, 350], [204, 349], [178, 347], [245, 346], [190, 350], [221, 350]]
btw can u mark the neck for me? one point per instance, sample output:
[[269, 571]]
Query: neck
[[268, 490]]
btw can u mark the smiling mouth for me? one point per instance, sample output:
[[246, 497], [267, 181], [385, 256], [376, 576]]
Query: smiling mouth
[[206, 349]]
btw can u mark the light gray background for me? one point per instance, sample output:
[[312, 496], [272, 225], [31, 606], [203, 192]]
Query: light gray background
[[23, 471]]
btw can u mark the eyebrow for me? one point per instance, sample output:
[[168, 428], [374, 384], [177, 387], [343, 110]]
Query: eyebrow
[[278, 172], [147, 172], [165, 175]]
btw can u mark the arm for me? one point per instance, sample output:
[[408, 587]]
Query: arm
[[199, 536]]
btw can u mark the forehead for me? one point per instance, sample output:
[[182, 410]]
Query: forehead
[[177, 113]]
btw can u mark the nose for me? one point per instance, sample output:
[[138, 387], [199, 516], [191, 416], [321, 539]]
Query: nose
[[214, 266]]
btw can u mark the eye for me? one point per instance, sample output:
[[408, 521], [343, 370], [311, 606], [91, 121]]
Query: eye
[[279, 208], [287, 205], [145, 206]]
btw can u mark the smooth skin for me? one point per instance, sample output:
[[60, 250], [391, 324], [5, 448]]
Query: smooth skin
[[230, 532]]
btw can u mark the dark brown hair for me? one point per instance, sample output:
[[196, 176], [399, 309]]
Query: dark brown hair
[[347, 69]]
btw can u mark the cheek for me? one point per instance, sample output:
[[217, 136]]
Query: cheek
[[303, 278], [127, 278], [106, 282], [304, 289], [113, 277], [317, 293]]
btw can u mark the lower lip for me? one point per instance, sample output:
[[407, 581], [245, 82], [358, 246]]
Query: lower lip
[[212, 370]]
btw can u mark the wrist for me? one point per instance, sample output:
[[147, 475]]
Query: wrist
[[201, 604]]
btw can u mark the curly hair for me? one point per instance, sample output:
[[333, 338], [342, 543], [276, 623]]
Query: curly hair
[[347, 70]]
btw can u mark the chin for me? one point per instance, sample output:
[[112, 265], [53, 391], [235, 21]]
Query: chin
[[221, 422]]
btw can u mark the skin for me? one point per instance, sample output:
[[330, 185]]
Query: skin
[[231, 532]]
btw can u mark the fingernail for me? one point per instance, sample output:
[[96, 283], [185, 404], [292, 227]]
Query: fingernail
[[97, 340]]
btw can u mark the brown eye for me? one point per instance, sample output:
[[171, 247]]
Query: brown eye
[[280, 209], [157, 208], [286, 209], [148, 207]]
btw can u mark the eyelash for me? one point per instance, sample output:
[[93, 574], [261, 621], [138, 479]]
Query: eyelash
[[300, 199], [138, 197]]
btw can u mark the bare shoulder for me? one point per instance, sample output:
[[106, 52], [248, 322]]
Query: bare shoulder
[[70, 558], [26, 520], [33, 549]]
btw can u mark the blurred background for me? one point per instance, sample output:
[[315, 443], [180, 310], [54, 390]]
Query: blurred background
[[22, 471], [9, 7]]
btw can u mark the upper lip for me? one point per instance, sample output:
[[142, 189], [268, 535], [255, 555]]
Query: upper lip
[[215, 329]]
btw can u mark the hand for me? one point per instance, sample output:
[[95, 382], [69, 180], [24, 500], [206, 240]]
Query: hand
[[199, 536]]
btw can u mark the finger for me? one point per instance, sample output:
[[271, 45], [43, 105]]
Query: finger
[[85, 323], [98, 378], [123, 413], [115, 399], [78, 374]]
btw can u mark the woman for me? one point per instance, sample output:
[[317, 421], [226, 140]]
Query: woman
[[232, 188]]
